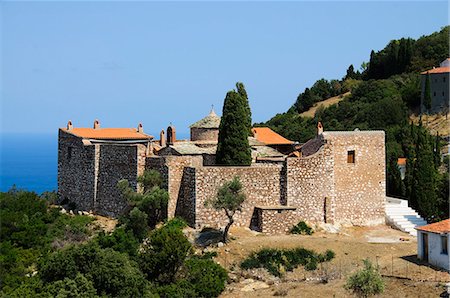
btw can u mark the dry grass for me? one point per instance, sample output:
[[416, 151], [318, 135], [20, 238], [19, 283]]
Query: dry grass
[[325, 103], [404, 276], [436, 123]]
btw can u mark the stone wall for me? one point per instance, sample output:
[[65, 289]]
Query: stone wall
[[360, 187], [88, 175], [117, 162], [172, 169], [76, 171], [275, 220], [261, 184], [204, 134], [310, 181]]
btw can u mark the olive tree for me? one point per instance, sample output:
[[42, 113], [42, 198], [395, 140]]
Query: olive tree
[[229, 199]]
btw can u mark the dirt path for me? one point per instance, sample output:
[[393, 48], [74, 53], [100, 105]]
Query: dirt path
[[395, 256]]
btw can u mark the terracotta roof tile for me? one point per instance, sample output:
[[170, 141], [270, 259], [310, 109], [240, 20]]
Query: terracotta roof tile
[[437, 70], [108, 133], [437, 227], [401, 161], [269, 137]]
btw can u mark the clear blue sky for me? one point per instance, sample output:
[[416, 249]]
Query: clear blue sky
[[157, 63]]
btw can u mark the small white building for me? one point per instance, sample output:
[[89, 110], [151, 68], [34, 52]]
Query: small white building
[[433, 243]]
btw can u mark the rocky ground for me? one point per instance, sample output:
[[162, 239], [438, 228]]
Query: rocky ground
[[392, 250]]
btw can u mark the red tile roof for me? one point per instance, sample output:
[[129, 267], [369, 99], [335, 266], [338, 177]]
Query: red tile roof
[[401, 161], [108, 133], [437, 227], [269, 137], [437, 70]]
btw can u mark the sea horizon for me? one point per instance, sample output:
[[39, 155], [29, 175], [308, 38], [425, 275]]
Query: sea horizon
[[29, 161]]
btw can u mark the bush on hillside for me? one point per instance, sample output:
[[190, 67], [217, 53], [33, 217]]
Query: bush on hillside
[[163, 253], [278, 261], [302, 228], [366, 282]]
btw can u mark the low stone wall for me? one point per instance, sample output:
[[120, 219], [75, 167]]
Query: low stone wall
[[276, 220], [261, 185]]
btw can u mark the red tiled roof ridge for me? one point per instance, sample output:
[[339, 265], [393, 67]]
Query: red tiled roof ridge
[[437, 227], [269, 137], [442, 69], [109, 133]]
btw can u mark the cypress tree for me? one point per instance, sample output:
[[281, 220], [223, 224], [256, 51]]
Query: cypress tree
[[427, 95], [233, 147], [243, 93], [424, 176]]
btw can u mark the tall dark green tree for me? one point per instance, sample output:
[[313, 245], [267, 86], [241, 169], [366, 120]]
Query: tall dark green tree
[[427, 94], [233, 147], [424, 176], [243, 93]]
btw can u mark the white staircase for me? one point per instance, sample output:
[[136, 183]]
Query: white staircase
[[401, 216]]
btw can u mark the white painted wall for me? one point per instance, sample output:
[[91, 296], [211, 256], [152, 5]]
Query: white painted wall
[[435, 257]]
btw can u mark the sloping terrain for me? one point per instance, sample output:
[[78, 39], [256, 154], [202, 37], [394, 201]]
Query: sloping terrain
[[325, 103], [436, 123]]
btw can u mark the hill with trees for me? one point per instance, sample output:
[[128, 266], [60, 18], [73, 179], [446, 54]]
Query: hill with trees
[[383, 95]]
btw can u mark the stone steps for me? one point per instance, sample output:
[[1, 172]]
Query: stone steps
[[401, 216]]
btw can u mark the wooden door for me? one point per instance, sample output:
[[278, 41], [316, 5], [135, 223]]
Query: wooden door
[[425, 246]]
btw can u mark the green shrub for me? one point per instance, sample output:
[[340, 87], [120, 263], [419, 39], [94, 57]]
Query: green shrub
[[302, 228], [176, 222], [163, 253], [206, 277], [137, 223], [365, 282], [276, 261], [79, 287], [120, 240], [180, 289]]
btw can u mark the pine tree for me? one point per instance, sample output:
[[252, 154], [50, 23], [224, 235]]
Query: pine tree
[[427, 95], [233, 147]]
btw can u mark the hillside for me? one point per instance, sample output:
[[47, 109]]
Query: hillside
[[383, 96], [325, 104], [437, 123]]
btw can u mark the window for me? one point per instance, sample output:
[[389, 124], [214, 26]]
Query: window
[[434, 93], [443, 93], [443, 79], [351, 156], [444, 245], [69, 153]]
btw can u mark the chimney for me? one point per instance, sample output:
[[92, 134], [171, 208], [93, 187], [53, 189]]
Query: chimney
[[69, 125], [96, 124], [171, 135], [162, 139], [319, 128], [140, 129]]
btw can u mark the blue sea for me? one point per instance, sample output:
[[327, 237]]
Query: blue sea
[[29, 161]]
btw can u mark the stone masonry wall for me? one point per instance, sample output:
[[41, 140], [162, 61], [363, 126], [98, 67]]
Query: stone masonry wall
[[204, 134], [172, 168], [117, 162], [261, 184], [310, 181], [276, 221], [76, 171], [360, 186]]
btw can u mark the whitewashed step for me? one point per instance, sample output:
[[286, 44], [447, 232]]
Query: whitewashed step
[[402, 217]]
